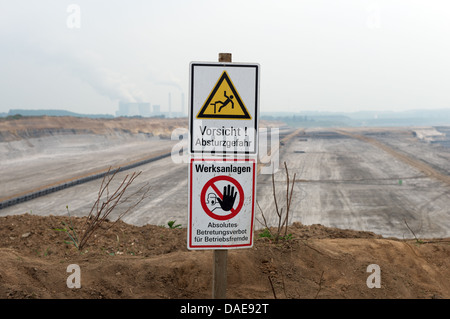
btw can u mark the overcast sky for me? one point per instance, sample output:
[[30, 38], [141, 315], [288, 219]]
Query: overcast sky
[[314, 55]]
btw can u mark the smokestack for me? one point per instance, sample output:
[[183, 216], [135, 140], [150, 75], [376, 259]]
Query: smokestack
[[182, 103], [170, 105]]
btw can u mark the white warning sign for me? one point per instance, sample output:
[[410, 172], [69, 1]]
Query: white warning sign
[[221, 203], [224, 104]]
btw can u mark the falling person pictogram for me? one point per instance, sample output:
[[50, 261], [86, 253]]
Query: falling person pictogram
[[224, 103]]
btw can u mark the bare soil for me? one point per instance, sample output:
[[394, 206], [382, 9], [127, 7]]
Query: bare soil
[[150, 261], [37, 126], [24, 127]]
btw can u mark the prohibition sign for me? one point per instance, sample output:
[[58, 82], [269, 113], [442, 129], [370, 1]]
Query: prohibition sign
[[211, 183]]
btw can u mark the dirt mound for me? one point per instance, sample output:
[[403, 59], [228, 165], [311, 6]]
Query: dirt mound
[[127, 261], [39, 126]]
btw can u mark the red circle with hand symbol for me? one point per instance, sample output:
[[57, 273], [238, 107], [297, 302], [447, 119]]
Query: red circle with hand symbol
[[226, 198]]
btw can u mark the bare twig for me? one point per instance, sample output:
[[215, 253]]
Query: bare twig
[[283, 220], [417, 240], [264, 218], [105, 204], [288, 197], [320, 285], [271, 285], [275, 195]]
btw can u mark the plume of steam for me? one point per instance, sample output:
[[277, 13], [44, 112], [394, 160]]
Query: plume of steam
[[86, 65], [113, 85], [106, 81], [89, 67]]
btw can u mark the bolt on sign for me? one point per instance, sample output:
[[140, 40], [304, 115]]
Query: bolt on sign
[[221, 203], [224, 102]]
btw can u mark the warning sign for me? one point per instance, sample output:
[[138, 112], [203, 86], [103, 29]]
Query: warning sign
[[223, 112], [221, 203], [224, 102]]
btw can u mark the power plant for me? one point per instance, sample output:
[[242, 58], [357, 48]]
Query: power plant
[[144, 109]]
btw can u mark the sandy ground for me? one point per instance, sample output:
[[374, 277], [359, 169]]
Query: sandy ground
[[32, 127], [347, 195], [128, 261], [346, 182], [341, 181], [55, 159]]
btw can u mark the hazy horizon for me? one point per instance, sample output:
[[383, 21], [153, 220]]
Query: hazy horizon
[[286, 112], [333, 56]]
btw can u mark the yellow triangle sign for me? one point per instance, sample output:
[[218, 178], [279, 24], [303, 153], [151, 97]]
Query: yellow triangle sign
[[224, 102]]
